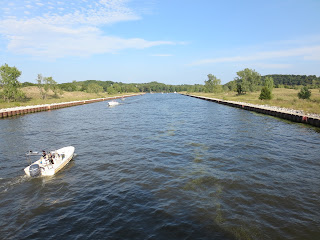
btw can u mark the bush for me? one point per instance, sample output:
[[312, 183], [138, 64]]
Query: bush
[[94, 88], [265, 94], [304, 93], [28, 84]]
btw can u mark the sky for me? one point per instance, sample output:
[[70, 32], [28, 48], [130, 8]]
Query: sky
[[168, 41]]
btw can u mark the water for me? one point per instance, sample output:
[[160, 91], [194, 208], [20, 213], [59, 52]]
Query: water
[[161, 166]]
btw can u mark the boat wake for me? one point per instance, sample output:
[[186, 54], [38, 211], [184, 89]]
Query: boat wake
[[6, 184]]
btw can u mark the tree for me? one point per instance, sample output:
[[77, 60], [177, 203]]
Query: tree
[[247, 80], [53, 86], [70, 87], [213, 84], [266, 91], [268, 82], [94, 88], [232, 85], [131, 88], [242, 86], [304, 93], [117, 87], [111, 90], [40, 82], [47, 83], [265, 94], [9, 81]]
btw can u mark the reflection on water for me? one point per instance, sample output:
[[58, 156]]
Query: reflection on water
[[161, 166]]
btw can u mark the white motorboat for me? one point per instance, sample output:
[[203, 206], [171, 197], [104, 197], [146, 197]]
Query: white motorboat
[[49, 164], [113, 103]]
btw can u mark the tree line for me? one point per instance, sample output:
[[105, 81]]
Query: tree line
[[294, 80], [10, 87], [110, 87], [247, 80]]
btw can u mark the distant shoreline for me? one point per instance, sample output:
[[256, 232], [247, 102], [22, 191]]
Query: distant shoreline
[[14, 111]]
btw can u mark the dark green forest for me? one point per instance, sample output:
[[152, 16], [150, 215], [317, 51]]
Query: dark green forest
[[118, 87], [294, 80], [280, 81]]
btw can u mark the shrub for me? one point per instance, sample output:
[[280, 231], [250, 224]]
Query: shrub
[[265, 94], [94, 88], [304, 93]]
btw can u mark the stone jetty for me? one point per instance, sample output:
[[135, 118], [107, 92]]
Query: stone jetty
[[284, 113], [10, 112]]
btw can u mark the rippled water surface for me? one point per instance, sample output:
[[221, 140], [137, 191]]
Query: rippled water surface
[[161, 166]]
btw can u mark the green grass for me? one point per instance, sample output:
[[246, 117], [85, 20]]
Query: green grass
[[282, 97], [34, 98]]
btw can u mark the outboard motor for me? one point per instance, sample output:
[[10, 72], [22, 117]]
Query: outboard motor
[[34, 170]]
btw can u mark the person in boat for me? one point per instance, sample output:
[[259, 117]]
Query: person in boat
[[45, 159], [50, 158], [54, 157]]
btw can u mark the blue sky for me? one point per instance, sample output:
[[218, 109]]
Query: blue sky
[[169, 41]]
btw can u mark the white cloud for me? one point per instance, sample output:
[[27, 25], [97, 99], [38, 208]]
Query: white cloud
[[44, 40], [307, 53], [76, 33]]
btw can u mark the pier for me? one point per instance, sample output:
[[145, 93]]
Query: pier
[[10, 112], [294, 117]]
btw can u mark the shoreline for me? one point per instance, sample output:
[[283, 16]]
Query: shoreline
[[284, 113], [14, 111]]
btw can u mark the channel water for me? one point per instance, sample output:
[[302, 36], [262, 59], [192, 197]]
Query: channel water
[[161, 166]]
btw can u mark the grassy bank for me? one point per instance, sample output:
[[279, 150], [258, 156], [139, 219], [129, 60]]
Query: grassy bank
[[33, 97], [282, 97]]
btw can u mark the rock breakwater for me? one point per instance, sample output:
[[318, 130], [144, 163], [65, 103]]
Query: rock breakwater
[[9, 112], [284, 113]]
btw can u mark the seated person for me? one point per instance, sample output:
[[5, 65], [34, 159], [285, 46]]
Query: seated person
[[44, 154], [44, 158], [50, 158]]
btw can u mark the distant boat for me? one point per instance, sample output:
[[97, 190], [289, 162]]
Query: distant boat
[[49, 164], [113, 103]]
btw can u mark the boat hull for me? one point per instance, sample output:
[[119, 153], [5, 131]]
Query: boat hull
[[113, 103]]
